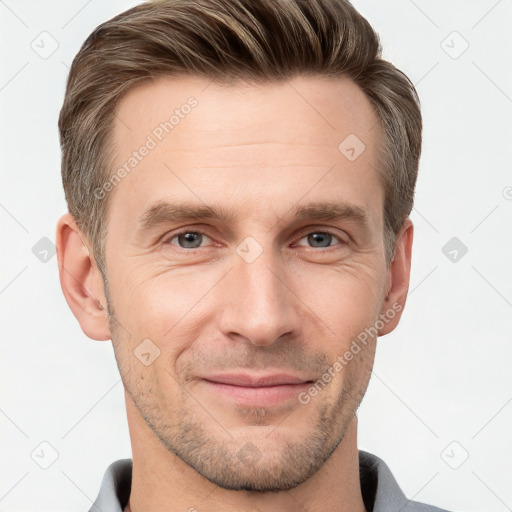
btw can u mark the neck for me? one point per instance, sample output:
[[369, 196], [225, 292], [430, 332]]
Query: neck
[[161, 481]]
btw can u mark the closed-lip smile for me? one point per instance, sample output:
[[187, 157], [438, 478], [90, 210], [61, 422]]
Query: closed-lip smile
[[259, 390]]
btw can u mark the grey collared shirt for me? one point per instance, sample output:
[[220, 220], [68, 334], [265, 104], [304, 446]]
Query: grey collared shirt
[[379, 488]]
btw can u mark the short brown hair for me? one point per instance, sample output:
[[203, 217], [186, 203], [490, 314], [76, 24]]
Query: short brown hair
[[226, 41]]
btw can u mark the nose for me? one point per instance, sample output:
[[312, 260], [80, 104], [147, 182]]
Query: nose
[[260, 305]]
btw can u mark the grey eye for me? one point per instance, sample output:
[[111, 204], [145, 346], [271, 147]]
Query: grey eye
[[319, 239], [190, 240]]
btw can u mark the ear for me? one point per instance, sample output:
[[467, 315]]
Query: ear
[[397, 280], [80, 280]]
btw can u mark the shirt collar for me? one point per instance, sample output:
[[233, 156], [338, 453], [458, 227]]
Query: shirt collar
[[379, 488]]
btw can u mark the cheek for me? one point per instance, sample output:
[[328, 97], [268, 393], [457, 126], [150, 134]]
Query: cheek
[[167, 307], [345, 298], [173, 306]]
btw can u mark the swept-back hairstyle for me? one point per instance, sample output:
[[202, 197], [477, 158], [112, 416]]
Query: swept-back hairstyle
[[226, 41]]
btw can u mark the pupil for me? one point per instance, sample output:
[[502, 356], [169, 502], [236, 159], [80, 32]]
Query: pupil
[[190, 240], [320, 239]]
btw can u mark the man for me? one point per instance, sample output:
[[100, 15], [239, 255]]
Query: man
[[239, 176]]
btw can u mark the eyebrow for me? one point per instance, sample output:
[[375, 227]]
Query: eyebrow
[[163, 213], [331, 211], [166, 213]]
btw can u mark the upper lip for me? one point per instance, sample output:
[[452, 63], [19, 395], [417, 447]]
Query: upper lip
[[255, 381]]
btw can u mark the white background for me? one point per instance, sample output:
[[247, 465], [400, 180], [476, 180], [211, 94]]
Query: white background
[[442, 385]]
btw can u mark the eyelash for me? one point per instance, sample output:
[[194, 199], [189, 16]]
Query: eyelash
[[168, 239]]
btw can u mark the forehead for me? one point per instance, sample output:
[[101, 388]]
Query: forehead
[[326, 108], [267, 142]]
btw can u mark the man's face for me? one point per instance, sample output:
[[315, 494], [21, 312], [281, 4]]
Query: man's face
[[251, 299]]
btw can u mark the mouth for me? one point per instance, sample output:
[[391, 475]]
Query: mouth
[[256, 390]]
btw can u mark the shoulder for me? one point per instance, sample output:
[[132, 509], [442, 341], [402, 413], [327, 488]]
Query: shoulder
[[381, 492], [115, 487]]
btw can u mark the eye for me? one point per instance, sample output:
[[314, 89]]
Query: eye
[[188, 239], [319, 239]]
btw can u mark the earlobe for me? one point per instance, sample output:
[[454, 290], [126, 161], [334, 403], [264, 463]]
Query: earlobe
[[398, 279], [80, 280]]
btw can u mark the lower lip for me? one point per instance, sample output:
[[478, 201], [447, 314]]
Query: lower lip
[[258, 397]]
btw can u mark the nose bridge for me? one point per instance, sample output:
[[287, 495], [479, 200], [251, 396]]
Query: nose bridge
[[260, 307]]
